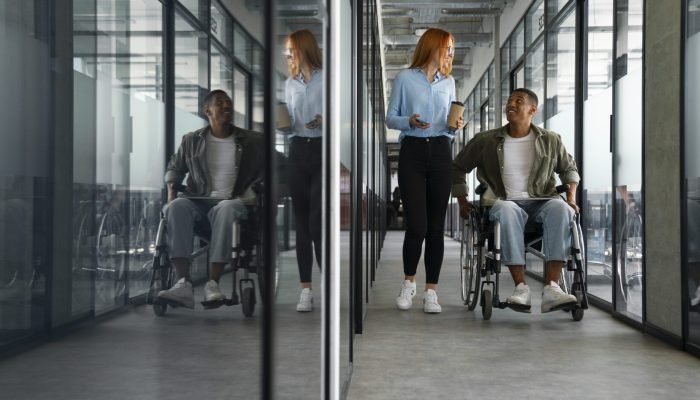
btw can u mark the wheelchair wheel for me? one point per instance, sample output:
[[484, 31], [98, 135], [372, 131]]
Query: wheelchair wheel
[[470, 257], [159, 309], [163, 279], [248, 301], [486, 304], [577, 311]]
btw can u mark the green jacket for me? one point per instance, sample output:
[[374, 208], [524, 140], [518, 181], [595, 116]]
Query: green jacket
[[190, 161], [485, 153]]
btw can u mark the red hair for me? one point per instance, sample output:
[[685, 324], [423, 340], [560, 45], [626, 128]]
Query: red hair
[[303, 43], [433, 39]]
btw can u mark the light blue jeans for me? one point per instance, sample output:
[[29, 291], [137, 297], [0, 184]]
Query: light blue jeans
[[182, 214], [556, 217]]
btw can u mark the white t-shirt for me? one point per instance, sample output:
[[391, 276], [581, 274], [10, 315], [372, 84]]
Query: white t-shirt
[[221, 163], [518, 156]]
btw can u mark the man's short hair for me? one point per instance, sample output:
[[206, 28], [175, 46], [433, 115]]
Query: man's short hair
[[530, 94], [210, 96]]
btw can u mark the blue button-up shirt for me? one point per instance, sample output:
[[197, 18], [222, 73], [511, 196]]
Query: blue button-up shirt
[[412, 93], [304, 102]]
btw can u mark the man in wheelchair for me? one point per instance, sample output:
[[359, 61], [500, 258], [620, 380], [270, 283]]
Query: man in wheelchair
[[221, 162], [518, 162]]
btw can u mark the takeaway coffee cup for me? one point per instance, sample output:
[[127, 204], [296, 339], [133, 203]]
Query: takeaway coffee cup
[[456, 110], [283, 121]]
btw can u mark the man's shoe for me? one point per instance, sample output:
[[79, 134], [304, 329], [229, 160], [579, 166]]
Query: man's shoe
[[520, 300], [694, 302], [306, 301], [181, 293], [430, 302], [554, 298], [405, 299], [212, 292]]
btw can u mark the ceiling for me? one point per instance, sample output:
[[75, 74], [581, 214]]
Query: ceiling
[[404, 20]]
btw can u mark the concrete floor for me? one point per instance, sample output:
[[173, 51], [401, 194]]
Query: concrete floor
[[458, 355], [215, 354], [188, 354]]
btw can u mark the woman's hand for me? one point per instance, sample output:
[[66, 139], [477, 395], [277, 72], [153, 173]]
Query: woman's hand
[[315, 123], [413, 121], [460, 122]]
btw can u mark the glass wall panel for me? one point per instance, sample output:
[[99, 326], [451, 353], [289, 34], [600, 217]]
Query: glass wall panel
[[554, 7], [692, 169], [627, 156], [505, 59], [505, 93], [24, 180], [534, 78], [517, 43], [561, 80], [117, 79], [597, 159], [198, 8], [534, 22], [221, 70], [191, 76], [240, 98], [242, 46], [300, 300], [221, 26]]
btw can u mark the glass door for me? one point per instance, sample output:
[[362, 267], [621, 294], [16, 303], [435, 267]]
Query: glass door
[[597, 157], [627, 158]]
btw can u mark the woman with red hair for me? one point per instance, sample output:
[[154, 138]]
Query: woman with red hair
[[420, 101], [303, 95]]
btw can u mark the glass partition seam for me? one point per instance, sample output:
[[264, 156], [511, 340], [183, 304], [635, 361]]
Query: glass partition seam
[[643, 194], [268, 350], [685, 291]]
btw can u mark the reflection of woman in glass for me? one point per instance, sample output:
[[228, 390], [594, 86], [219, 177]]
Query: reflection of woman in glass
[[303, 94], [420, 101]]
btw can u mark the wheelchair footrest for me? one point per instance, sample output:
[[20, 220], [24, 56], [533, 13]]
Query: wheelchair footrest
[[516, 307], [170, 303], [565, 307], [211, 304]]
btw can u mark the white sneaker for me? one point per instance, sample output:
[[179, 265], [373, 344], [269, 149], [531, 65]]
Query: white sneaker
[[212, 292], [696, 300], [405, 299], [306, 301], [553, 297], [521, 296], [180, 293], [430, 302]]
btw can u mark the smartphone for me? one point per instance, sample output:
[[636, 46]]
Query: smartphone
[[422, 121]]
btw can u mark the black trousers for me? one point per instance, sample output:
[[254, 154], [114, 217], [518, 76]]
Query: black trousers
[[425, 180], [305, 167]]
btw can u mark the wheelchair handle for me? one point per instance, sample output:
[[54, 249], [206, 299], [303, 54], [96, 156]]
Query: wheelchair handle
[[562, 188]]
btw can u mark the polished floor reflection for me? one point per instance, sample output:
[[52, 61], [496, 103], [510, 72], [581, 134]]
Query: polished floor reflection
[[213, 354], [457, 355]]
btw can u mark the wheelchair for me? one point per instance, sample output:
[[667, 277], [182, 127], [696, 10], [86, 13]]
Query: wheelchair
[[246, 257], [480, 259]]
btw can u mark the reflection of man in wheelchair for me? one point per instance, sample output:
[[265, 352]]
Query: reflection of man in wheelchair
[[222, 162], [517, 162]]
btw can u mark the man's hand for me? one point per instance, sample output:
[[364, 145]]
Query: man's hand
[[172, 194], [571, 197], [465, 207]]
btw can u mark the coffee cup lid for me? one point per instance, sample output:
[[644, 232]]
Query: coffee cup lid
[[458, 102]]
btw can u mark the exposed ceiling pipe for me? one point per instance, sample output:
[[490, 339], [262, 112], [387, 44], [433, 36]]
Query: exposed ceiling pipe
[[461, 39]]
